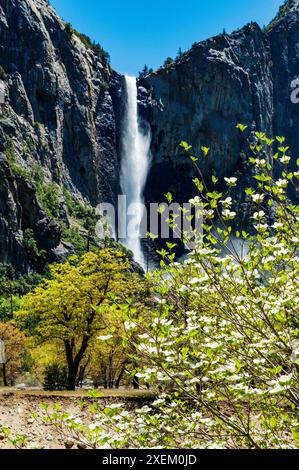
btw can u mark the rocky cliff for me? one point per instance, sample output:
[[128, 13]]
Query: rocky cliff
[[243, 77], [57, 115]]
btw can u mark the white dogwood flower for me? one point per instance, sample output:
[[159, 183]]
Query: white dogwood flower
[[228, 215], [285, 159], [231, 181], [258, 198], [258, 215], [282, 183], [227, 202], [105, 337]]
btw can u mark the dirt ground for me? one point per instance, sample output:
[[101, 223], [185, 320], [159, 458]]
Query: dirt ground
[[17, 407]]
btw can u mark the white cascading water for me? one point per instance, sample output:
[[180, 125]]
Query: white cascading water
[[134, 169]]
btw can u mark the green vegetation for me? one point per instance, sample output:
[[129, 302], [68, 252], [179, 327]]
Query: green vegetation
[[28, 147], [169, 61], [145, 72], [36, 256], [83, 231], [219, 344], [11, 290], [11, 156], [48, 195], [283, 10], [94, 46], [54, 200], [55, 377], [81, 299], [214, 338]]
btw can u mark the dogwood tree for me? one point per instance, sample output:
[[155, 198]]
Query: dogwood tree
[[221, 348]]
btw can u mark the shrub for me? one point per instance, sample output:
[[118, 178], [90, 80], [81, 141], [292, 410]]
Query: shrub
[[8, 305], [74, 236], [169, 61], [36, 256], [49, 198], [10, 153], [55, 377], [11, 157], [28, 146]]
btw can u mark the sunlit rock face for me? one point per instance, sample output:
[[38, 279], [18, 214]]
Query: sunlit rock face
[[243, 77], [284, 41], [58, 112]]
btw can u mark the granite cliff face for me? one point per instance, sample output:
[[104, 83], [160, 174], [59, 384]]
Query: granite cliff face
[[283, 34], [57, 113], [243, 77]]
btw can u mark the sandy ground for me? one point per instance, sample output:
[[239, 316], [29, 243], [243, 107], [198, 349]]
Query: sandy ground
[[16, 408]]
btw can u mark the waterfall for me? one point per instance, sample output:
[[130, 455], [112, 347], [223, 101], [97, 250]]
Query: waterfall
[[134, 169]]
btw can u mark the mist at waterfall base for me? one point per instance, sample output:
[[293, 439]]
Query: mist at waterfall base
[[135, 164]]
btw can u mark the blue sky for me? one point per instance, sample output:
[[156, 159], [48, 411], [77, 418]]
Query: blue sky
[[137, 32]]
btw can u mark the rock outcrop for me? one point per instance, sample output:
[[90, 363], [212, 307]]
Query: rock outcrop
[[57, 112], [283, 34], [243, 77]]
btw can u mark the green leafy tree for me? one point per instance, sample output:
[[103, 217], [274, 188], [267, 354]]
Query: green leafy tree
[[179, 54], [7, 291], [14, 343], [12, 288], [145, 72], [169, 61], [71, 307]]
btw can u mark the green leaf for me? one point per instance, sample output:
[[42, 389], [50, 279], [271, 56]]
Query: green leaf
[[198, 184], [170, 246], [185, 146], [205, 151], [241, 127], [283, 149], [161, 209], [169, 197], [163, 253]]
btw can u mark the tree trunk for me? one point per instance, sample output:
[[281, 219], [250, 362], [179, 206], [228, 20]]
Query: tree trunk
[[4, 375], [120, 376], [136, 383], [72, 377], [72, 368], [79, 380], [110, 372], [11, 305]]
